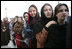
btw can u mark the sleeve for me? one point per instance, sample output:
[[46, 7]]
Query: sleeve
[[37, 26], [41, 38]]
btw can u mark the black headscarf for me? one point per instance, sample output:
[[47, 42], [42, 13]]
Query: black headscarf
[[43, 17], [40, 24]]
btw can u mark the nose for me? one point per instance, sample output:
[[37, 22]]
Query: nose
[[32, 12], [64, 12]]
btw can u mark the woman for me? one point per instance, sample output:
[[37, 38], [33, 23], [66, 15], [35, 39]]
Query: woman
[[33, 17], [18, 28], [46, 16], [26, 31], [57, 33]]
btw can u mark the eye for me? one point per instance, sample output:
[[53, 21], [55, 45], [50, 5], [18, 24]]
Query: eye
[[50, 9], [45, 10], [60, 11], [66, 10], [33, 10], [63, 10]]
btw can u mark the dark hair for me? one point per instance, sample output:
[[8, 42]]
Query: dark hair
[[24, 14], [20, 17], [44, 19], [29, 16], [57, 8], [16, 16], [42, 10], [33, 6]]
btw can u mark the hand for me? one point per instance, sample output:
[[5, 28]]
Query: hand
[[50, 23], [38, 36], [3, 30]]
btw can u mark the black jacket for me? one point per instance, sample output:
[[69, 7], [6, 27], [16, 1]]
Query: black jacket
[[57, 36]]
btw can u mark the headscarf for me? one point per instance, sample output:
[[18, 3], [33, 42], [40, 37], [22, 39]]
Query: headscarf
[[30, 19]]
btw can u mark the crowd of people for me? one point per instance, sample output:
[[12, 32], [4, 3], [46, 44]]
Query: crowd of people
[[50, 30]]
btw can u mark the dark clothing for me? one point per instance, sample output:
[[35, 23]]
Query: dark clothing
[[5, 36], [32, 23], [68, 19], [56, 36], [27, 31], [34, 43], [68, 36], [39, 24]]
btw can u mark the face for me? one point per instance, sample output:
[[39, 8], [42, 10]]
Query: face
[[11, 19], [32, 11], [26, 17], [19, 20], [62, 13], [6, 19], [47, 11]]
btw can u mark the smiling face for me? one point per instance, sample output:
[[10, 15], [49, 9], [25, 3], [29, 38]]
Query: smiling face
[[47, 11], [32, 11]]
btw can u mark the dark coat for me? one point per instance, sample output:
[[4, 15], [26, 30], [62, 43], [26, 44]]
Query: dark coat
[[56, 36], [32, 23], [27, 31], [5, 36], [41, 30], [68, 34]]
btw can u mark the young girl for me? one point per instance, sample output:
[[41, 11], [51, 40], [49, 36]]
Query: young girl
[[33, 17], [18, 28], [46, 16]]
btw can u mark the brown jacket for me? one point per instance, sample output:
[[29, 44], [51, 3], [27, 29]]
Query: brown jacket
[[18, 27], [41, 38]]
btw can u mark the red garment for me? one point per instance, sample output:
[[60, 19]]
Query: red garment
[[18, 42]]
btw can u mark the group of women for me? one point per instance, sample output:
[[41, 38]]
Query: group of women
[[46, 31], [49, 30]]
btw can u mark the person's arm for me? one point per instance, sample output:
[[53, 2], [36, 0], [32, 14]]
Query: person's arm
[[41, 38], [42, 35], [45, 29]]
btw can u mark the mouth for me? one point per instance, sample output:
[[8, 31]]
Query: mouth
[[64, 15], [33, 15]]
